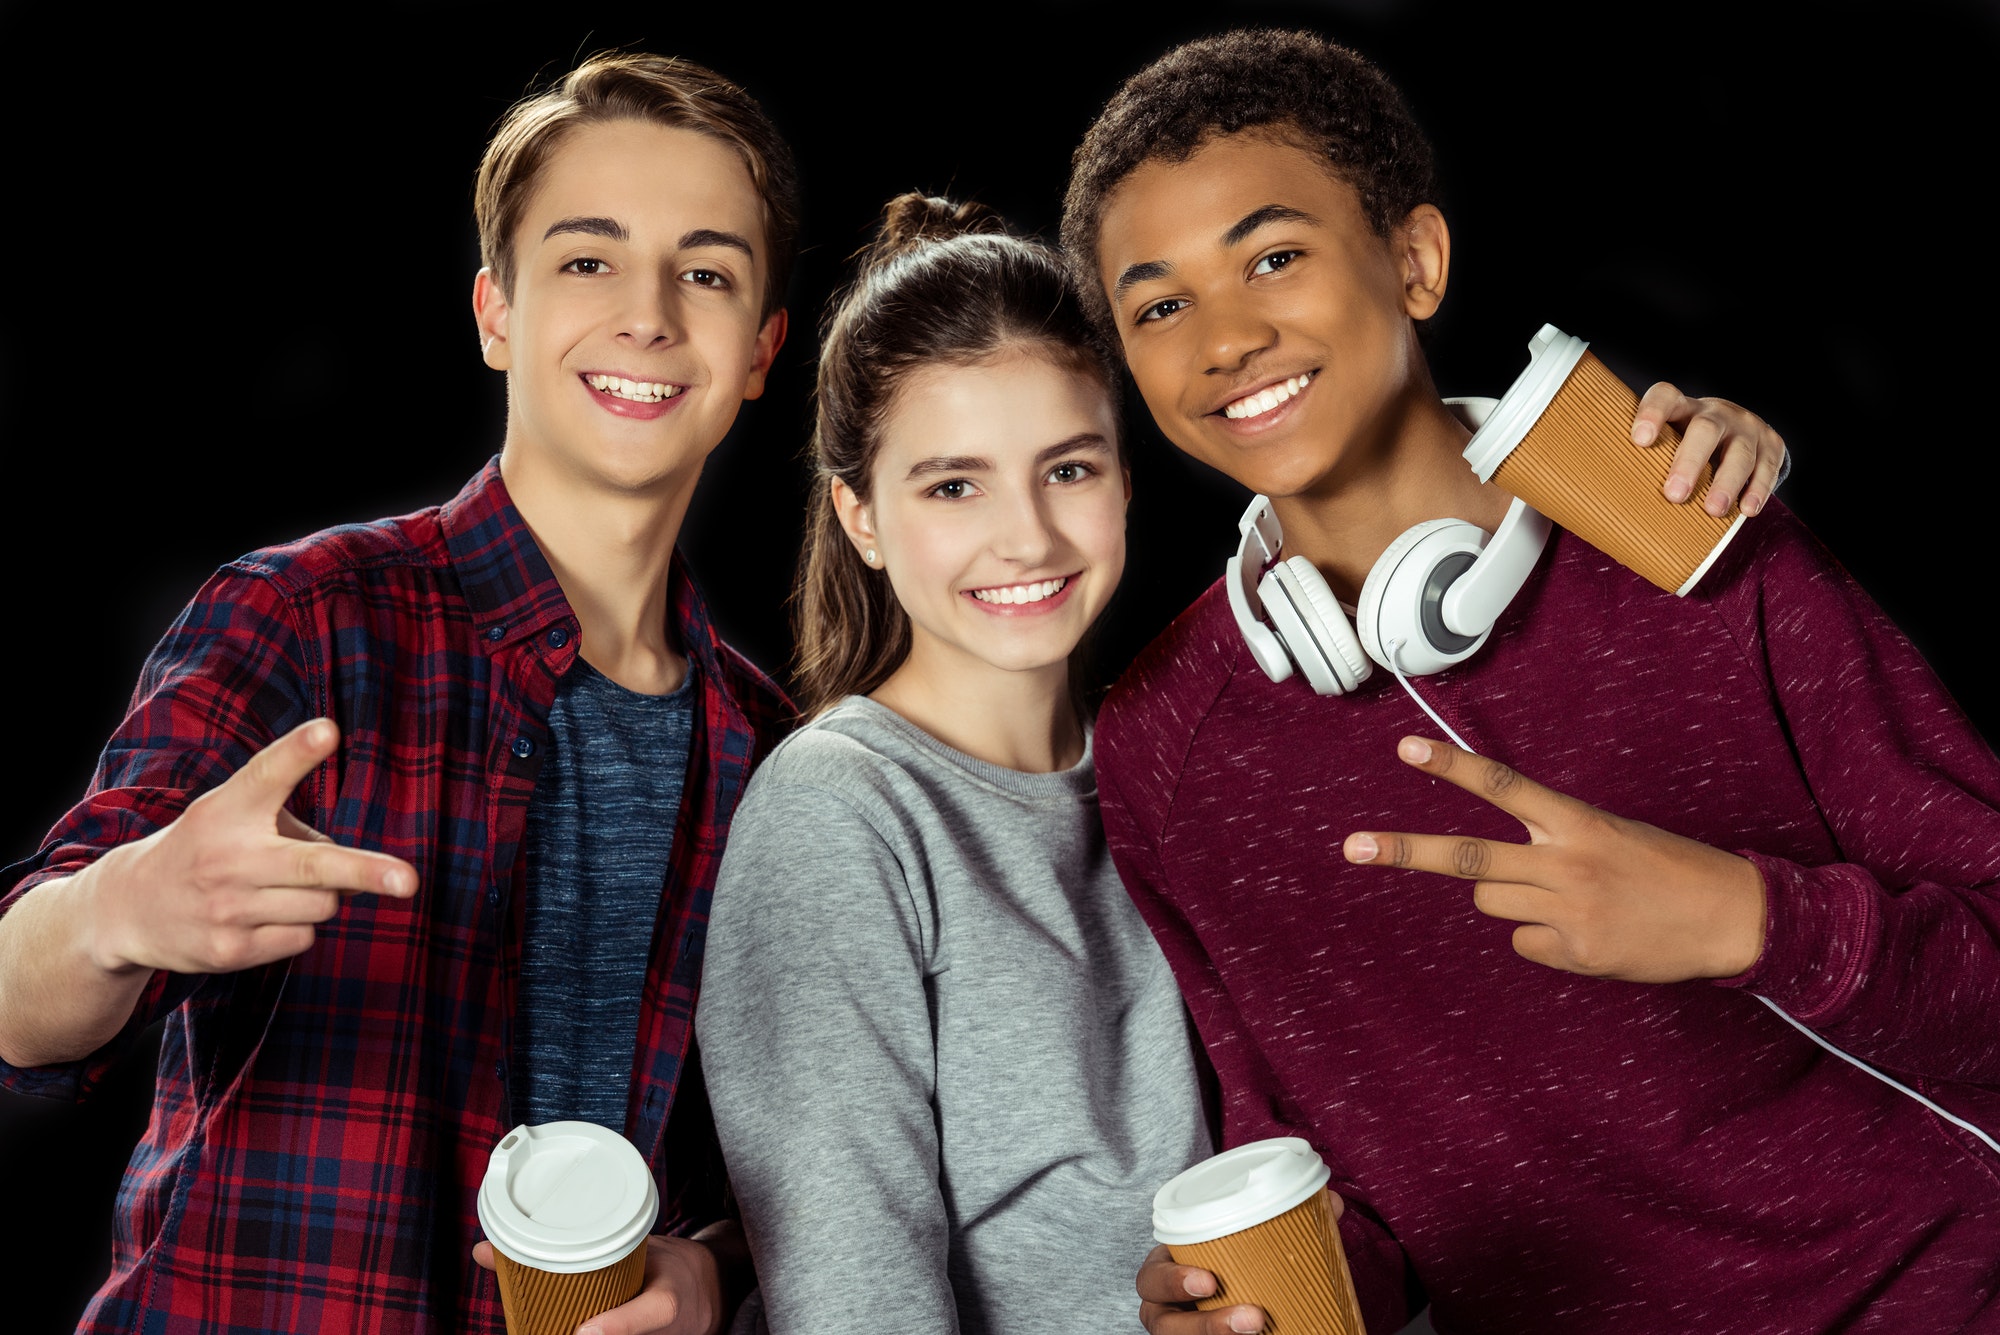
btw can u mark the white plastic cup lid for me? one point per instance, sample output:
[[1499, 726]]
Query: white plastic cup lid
[[1237, 1189], [566, 1197], [1552, 355]]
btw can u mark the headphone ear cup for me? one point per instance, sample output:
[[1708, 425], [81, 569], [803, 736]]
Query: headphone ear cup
[[1315, 629], [1399, 603]]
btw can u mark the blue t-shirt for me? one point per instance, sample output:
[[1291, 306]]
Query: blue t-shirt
[[600, 828]]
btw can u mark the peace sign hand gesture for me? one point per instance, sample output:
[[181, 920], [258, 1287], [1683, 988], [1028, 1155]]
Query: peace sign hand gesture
[[1594, 893]]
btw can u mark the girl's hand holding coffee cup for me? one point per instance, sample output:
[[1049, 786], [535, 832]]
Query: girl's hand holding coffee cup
[[1749, 456], [1594, 894], [1168, 1292]]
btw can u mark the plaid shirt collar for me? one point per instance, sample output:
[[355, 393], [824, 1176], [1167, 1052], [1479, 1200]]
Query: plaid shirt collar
[[513, 593]]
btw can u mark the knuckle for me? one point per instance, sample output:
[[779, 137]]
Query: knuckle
[[1398, 851], [1501, 780], [1470, 857]]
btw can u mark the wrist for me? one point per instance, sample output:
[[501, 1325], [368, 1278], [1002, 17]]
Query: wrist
[[730, 1251], [1738, 938], [93, 907]]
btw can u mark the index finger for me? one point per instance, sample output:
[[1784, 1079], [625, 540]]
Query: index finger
[[1167, 1288], [264, 784], [1502, 785], [294, 863], [1663, 403]]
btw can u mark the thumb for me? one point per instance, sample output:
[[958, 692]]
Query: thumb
[[265, 783]]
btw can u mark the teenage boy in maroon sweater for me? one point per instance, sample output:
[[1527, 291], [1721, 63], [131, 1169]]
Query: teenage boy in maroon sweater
[[1598, 1128]]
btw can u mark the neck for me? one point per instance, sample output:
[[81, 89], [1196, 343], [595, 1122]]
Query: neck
[[1021, 720], [610, 551], [1408, 469]]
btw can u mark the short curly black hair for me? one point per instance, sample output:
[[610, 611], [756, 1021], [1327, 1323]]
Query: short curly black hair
[[1327, 97]]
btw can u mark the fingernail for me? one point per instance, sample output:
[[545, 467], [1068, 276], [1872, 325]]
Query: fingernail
[[591, 1330], [1717, 506], [1414, 749], [1362, 848], [1678, 489], [1244, 1323], [1198, 1285], [1752, 504], [1643, 433], [399, 882]]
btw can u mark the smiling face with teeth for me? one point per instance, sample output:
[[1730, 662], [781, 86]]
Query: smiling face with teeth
[[997, 508], [635, 328], [1268, 326]]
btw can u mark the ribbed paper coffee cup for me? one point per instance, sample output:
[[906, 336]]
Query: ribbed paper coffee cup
[[1561, 440], [567, 1207], [1260, 1219]]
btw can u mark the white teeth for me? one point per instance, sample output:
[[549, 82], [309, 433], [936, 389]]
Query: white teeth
[[638, 391], [1256, 405], [1021, 593]]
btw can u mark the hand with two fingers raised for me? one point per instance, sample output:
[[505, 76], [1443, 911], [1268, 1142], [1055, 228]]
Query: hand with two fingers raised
[[1168, 1292], [1594, 893], [1748, 454], [236, 880]]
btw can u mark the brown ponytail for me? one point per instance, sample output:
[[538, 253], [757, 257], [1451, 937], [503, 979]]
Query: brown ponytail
[[943, 283]]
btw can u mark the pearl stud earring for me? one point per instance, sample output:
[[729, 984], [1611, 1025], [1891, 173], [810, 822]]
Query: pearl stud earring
[[869, 556]]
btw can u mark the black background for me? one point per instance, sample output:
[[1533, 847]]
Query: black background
[[238, 260]]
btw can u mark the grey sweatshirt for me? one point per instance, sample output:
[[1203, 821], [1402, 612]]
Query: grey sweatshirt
[[948, 1064]]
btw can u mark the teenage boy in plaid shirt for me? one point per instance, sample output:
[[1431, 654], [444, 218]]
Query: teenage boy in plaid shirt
[[337, 840]]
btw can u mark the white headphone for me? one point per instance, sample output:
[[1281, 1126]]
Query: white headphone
[[1429, 601]]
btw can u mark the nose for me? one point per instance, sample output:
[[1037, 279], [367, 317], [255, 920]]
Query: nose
[[1232, 332], [1022, 532], [651, 316]]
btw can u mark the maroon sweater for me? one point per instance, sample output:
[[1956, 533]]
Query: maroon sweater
[[1539, 1151]]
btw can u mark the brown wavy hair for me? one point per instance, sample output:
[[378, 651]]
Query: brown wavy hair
[[635, 86], [943, 284]]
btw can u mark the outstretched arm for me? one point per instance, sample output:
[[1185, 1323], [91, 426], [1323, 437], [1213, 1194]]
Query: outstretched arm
[[234, 882]]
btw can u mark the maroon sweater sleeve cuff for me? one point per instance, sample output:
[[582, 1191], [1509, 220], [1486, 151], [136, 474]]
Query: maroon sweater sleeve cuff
[[1820, 928]]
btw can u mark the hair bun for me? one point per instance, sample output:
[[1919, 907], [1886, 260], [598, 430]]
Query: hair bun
[[909, 220]]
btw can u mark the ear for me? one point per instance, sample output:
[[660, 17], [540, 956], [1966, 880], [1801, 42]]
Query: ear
[[852, 512], [1424, 251], [489, 312], [769, 339]]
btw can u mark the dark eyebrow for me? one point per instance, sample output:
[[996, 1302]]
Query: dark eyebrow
[[1256, 218], [604, 227], [1082, 440], [950, 463], [708, 236], [1143, 272]]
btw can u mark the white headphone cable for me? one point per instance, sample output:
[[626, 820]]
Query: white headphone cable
[[1395, 666], [1885, 1079]]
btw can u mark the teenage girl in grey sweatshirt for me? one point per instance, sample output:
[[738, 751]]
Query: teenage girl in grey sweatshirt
[[948, 1063]]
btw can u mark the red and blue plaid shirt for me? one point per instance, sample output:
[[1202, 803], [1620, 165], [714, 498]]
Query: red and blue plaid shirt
[[321, 1125]]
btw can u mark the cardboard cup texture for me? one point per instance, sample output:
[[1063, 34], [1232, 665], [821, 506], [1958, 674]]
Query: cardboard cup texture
[[1292, 1266], [567, 1207], [540, 1303], [1578, 466]]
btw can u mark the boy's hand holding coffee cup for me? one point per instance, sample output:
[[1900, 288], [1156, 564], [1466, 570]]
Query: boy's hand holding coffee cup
[[1595, 894], [1748, 455], [682, 1293]]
